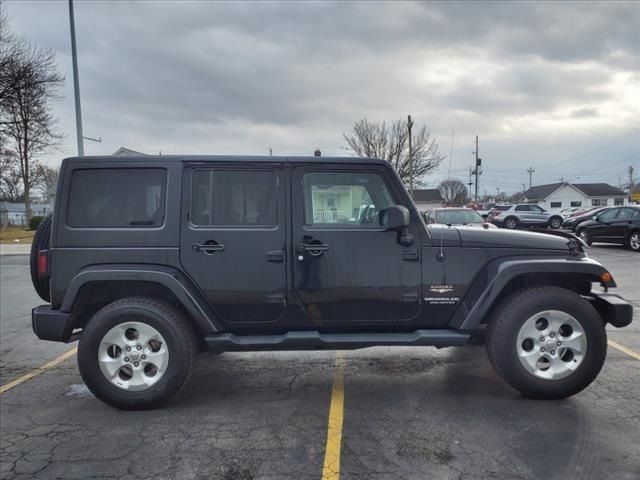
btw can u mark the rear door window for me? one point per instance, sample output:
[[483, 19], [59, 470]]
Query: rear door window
[[234, 198], [117, 198]]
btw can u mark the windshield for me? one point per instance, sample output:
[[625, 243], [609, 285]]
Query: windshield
[[458, 217]]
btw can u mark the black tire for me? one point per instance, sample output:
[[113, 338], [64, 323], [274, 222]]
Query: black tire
[[633, 242], [168, 321], [511, 223], [555, 222], [585, 236], [514, 312], [40, 242]]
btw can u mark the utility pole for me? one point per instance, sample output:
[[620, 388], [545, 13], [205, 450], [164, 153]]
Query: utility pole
[[630, 183], [270, 152], [531, 172], [410, 126], [76, 81], [477, 170]]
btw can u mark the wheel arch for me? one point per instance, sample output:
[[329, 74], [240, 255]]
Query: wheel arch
[[503, 278], [96, 286]]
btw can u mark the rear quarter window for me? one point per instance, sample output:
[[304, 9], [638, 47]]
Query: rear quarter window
[[117, 198]]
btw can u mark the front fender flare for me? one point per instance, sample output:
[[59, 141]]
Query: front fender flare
[[488, 285], [169, 277]]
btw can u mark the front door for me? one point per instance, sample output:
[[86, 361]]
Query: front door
[[233, 240], [602, 229], [346, 268]]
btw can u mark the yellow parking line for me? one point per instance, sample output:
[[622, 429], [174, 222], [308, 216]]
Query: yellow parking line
[[37, 371], [624, 349], [331, 468]]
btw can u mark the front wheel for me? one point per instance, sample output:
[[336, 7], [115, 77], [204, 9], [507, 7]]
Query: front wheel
[[547, 342], [555, 222], [634, 241], [585, 237], [136, 353]]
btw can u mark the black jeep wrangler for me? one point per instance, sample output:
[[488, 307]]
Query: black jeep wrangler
[[150, 260]]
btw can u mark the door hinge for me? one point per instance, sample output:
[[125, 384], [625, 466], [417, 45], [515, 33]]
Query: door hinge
[[411, 255], [276, 298], [412, 297], [275, 256]]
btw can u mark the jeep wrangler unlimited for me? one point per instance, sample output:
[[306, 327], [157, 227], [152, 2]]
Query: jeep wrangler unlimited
[[149, 260]]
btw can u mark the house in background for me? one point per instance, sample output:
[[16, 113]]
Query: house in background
[[16, 213], [426, 199], [556, 196], [339, 203], [127, 152]]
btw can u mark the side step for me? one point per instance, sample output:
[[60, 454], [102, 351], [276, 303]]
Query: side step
[[314, 340]]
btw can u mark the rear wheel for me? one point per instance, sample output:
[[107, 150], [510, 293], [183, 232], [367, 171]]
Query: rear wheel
[[547, 342], [136, 353], [40, 242], [634, 241], [511, 223]]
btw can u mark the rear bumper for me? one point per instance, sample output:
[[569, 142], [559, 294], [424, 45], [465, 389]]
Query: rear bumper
[[612, 308], [50, 324]]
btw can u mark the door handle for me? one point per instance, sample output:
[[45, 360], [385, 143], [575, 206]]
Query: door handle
[[313, 248], [210, 247]]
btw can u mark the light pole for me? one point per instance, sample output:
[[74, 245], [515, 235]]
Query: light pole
[[76, 81], [409, 126]]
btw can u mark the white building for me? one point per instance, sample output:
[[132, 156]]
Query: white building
[[127, 152], [16, 213], [556, 196], [426, 199]]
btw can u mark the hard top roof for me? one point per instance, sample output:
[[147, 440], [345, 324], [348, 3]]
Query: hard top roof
[[225, 158]]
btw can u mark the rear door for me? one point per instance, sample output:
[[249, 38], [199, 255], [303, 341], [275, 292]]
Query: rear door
[[524, 213], [346, 269], [233, 239]]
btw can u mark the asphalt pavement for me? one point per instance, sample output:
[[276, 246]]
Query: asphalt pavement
[[409, 413]]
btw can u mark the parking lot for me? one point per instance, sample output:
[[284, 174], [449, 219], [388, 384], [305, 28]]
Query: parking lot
[[408, 413]]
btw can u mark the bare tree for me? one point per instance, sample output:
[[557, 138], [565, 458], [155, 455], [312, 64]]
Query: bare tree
[[29, 80], [391, 143], [10, 181], [46, 180], [454, 192]]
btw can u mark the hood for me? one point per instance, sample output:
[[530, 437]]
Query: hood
[[499, 238]]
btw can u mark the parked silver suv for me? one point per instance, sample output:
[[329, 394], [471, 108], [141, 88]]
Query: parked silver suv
[[524, 215]]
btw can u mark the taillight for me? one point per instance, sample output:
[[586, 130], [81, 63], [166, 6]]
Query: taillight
[[43, 263]]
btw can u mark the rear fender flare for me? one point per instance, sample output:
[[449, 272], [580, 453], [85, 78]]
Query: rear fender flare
[[171, 278]]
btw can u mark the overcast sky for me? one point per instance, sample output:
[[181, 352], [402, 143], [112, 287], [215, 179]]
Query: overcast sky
[[551, 85]]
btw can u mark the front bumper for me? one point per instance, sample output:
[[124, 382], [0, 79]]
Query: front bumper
[[50, 324], [612, 308]]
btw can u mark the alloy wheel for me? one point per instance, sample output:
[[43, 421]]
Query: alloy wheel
[[634, 241], [133, 356], [551, 345]]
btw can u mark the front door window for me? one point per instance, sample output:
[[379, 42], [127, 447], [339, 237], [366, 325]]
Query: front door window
[[344, 199]]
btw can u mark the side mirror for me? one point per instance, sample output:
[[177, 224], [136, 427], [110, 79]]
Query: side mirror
[[595, 217], [396, 218]]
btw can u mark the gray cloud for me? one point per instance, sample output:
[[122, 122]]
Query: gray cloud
[[214, 77]]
